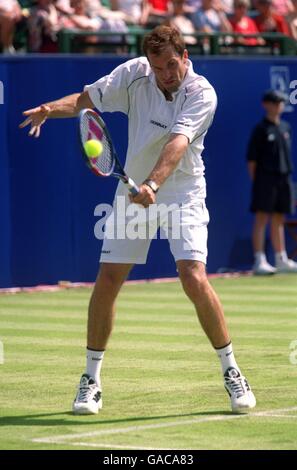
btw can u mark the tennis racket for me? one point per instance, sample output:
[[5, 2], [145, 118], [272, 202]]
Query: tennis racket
[[92, 126]]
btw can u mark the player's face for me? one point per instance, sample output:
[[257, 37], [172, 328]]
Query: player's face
[[169, 69]]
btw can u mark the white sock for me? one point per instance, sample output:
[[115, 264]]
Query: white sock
[[281, 256], [94, 363], [260, 257], [227, 358]]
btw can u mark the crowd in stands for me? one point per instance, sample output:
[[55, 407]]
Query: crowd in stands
[[44, 19]]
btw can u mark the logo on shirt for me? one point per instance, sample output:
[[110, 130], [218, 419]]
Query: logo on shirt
[[100, 94], [183, 124], [271, 137], [159, 124]]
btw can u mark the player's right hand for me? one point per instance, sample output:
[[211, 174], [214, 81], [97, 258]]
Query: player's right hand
[[145, 197], [36, 117]]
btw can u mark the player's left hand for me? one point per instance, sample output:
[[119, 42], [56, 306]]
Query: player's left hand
[[35, 117], [145, 197]]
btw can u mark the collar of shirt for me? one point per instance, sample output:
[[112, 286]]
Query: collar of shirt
[[271, 123]]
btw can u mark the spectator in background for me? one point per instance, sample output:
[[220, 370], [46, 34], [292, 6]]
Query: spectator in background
[[95, 9], [242, 23], [191, 6], [211, 18], [82, 20], [63, 6], [179, 21], [270, 167], [227, 6], [147, 13], [44, 24], [282, 7], [110, 21], [292, 20], [10, 15], [267, 21], [133, 11], [157, 12], [47, 19], [79, 18]]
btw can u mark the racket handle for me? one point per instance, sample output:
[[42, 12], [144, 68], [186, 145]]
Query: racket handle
[[133, 188]]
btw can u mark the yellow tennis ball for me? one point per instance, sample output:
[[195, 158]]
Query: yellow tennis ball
[[93, 148]]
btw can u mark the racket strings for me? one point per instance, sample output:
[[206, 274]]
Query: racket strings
[[104, 163], [91, 129]]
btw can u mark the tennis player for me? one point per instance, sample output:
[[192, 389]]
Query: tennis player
[[170, 109]]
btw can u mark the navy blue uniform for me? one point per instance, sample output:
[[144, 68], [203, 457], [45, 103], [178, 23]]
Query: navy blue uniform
[[270, 148]]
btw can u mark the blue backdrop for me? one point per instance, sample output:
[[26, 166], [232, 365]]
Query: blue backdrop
[[48, 196]]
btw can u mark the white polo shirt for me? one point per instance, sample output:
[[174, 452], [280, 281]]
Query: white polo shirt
[[131, 88]]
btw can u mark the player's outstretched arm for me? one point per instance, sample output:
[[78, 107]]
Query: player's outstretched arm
[[66, 107]]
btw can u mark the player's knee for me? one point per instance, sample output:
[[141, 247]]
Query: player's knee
[[193, 280], [110, 278]]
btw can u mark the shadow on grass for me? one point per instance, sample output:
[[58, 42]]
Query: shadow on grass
[[62, 419]]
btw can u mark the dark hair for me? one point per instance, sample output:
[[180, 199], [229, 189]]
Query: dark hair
[[160, 38], [274, 96]]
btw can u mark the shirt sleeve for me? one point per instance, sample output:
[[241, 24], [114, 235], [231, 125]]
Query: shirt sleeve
[[109, 93], [197, 113], [253, 149]]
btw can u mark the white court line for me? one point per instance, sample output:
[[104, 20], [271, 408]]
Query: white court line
[[273, 412], [113, 446], [278, 415], [107, 432]]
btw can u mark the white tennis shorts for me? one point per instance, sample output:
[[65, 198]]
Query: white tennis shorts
[[180, 213]]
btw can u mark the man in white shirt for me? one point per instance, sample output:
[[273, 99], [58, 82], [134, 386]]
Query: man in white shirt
[[170, 109]]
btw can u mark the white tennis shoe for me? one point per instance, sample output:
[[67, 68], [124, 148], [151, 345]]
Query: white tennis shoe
[[239, 391], [263, 268], [88, 400], [286, 266]]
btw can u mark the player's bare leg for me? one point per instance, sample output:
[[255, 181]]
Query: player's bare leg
[[209, 309], [102, 303], [261, 265], [211, 316], [100, 322]]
